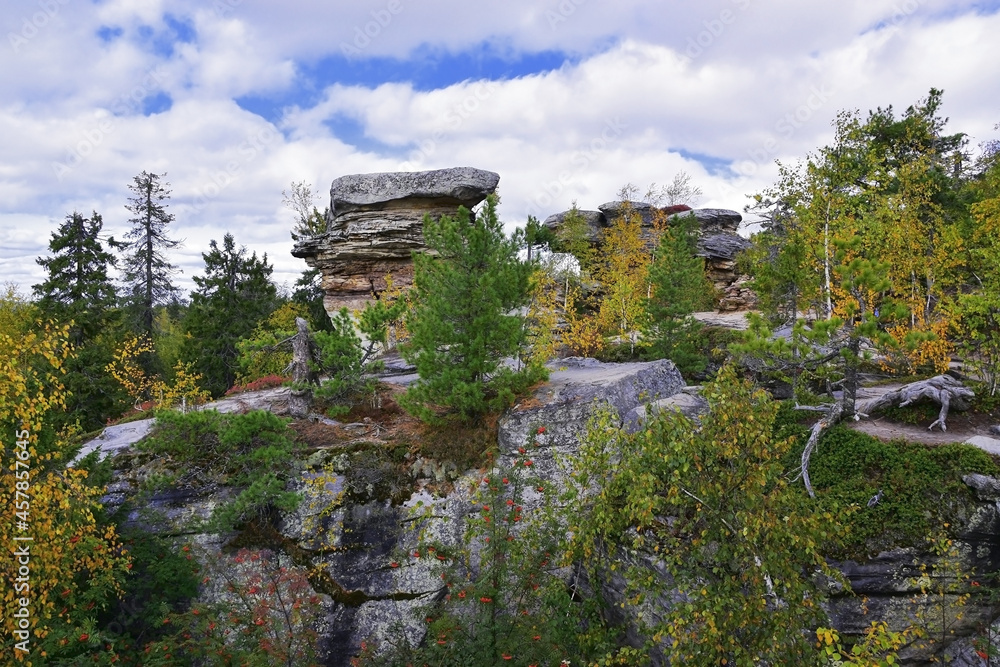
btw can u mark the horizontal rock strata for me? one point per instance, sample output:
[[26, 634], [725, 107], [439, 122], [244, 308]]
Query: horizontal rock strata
[[375, 223]]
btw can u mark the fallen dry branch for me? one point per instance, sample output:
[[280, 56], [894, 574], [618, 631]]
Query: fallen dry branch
[[942, 389], [829, 419]]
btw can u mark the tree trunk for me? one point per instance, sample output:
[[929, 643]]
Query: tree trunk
[[942, 389], [300, 399]]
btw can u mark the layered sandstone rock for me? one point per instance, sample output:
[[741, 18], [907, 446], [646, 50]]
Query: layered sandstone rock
[[718, 240], [374, 224]]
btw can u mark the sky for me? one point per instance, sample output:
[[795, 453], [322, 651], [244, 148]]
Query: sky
[[568, 100]]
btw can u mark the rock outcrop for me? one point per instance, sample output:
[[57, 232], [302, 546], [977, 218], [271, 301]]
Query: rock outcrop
[[351, 526], [375, 223], [718, 240], [596, 223], [361, 519]]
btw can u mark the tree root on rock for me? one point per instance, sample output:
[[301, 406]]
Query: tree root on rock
[[942, 389]]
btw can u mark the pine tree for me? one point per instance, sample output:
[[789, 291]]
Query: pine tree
[[146, 271], [232, 298], [79, 292], [679, 288], [462, 325]]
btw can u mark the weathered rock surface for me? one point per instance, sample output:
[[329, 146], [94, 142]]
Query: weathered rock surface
[[718, 241], [687, 402], [713, 220], [888, 586], [615, 209], [576, 389], [720, 251], [114, 439], [595, 220], [363, 541], [375, 222]]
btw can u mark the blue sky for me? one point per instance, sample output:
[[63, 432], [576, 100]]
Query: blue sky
[[567, 99]]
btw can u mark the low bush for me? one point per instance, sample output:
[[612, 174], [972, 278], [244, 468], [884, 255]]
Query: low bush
[[921, 485], [252, 451]]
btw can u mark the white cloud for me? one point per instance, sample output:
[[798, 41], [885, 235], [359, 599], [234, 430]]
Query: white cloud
[[762, 82]]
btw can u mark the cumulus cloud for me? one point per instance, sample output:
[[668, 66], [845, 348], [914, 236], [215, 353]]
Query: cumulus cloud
[[722, 89]]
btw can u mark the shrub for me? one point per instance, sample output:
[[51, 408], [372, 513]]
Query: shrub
[[252, 451], [921, 486]]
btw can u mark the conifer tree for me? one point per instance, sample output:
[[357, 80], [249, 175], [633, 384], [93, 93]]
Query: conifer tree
[[146, 271], [79, 292], [232, 298], [679, 288], [463, 323]]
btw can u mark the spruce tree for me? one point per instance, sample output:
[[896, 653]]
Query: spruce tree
[[464, 322], [232, 298], [79, 292], [146, 271], [679, 288]]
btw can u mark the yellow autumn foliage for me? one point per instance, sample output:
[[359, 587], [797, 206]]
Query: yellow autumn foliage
[[129, 373], [62, 565]]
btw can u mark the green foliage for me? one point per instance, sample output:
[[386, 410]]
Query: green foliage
[[378, 317], [342, 361], [505, 602], [233, 297], [252, 451], [168, 338], [922, 486], [309, 221], [309, 293], [573, 237], [164, 578], [537, 235], [713, 505], [462, 325], [79, 292], [268, 351], [679, 288], [878, 648]]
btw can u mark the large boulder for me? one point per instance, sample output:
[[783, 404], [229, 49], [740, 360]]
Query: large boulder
[[576, 390], [718, 240], [616, 209], [713, 220], [375, 223], [595, 220]]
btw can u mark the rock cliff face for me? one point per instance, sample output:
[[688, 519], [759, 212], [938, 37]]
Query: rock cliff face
[[375, 223], [362, 522], [718, 241]]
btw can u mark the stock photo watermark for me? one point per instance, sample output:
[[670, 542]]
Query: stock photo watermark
[[785, 128], [107, 122], [452, 120], [581, 159], [363, 35], [223, 8], [21, 548], [252, 146], [714, 28], [562, 12], [32, 25]]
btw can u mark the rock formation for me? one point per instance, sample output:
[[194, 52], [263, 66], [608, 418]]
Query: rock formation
[[374, 224], [718, 241], [372, 590]]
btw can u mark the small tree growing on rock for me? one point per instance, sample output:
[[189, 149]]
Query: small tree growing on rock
[[463, 323]]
